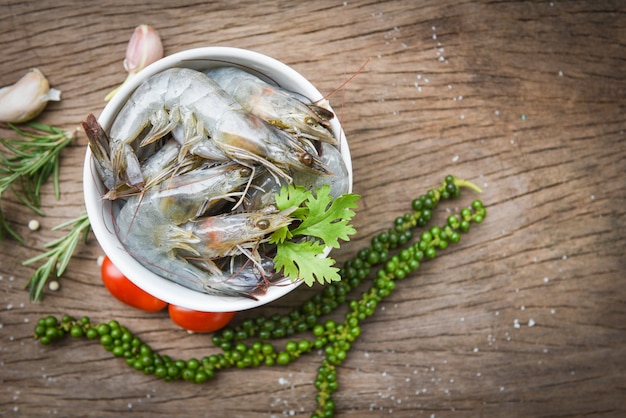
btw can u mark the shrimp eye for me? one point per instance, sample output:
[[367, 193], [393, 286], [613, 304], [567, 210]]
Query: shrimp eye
[[263, 224], [310, 121], [306, 159]]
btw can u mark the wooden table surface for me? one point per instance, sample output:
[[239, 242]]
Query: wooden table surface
[[524, 317]]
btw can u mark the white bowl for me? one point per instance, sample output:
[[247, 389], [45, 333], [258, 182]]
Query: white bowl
[[100, 210]]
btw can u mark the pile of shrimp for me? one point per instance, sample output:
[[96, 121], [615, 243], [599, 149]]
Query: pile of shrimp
[[194, 160]]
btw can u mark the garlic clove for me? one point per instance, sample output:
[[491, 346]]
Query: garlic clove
[[144, 48], [27, 98]]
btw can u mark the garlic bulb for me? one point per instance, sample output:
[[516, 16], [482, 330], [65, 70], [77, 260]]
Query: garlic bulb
[[27, 98]]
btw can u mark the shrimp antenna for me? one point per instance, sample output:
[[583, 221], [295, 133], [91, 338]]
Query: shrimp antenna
[[342, 85]]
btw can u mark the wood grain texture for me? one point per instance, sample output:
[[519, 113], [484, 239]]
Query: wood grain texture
[[524, 98]]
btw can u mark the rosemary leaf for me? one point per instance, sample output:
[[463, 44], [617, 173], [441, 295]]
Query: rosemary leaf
[[58, 256], [27, 162]]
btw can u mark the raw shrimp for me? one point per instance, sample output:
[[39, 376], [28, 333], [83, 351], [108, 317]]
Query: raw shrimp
[[232, 234], [148, 227], [184, 197], [275, 105], [182, 94], [243, 280]]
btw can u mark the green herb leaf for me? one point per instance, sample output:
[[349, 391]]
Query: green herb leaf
[[58, 256], [328, 221], [323, 222], [301, 260], [28, 162]]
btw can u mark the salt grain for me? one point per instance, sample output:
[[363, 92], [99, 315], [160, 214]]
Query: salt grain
[[455, 158], [53, 285], [531, 322]]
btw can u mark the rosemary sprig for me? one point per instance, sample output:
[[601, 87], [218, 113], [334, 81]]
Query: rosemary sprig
[[58, 256], [30, 161]]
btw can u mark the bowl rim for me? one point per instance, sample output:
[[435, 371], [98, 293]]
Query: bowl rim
[[97, 208]]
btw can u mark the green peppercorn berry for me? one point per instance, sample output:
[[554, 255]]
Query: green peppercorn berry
[[92, 333], [283, 358], [103, 329], [53, 333], [51, 321], [40, 330], [189, 375], [304, 346], [106, 340], [201, 376], [373, 257], [291, 347], [77, 331], [118, 351], [228, 334]]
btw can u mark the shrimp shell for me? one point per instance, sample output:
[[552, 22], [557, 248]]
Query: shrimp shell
[[277, 106], [182, 94]]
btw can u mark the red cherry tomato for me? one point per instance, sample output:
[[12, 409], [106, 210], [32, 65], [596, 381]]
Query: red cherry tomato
[[197, 321], [126, 291]]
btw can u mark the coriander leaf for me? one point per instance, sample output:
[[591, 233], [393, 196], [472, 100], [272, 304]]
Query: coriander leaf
[[293, 196], [280, 235], [321, 218], [328, 223], [301, 261]]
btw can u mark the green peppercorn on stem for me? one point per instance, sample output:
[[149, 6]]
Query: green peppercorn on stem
[[336, 339], [333, 339]]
